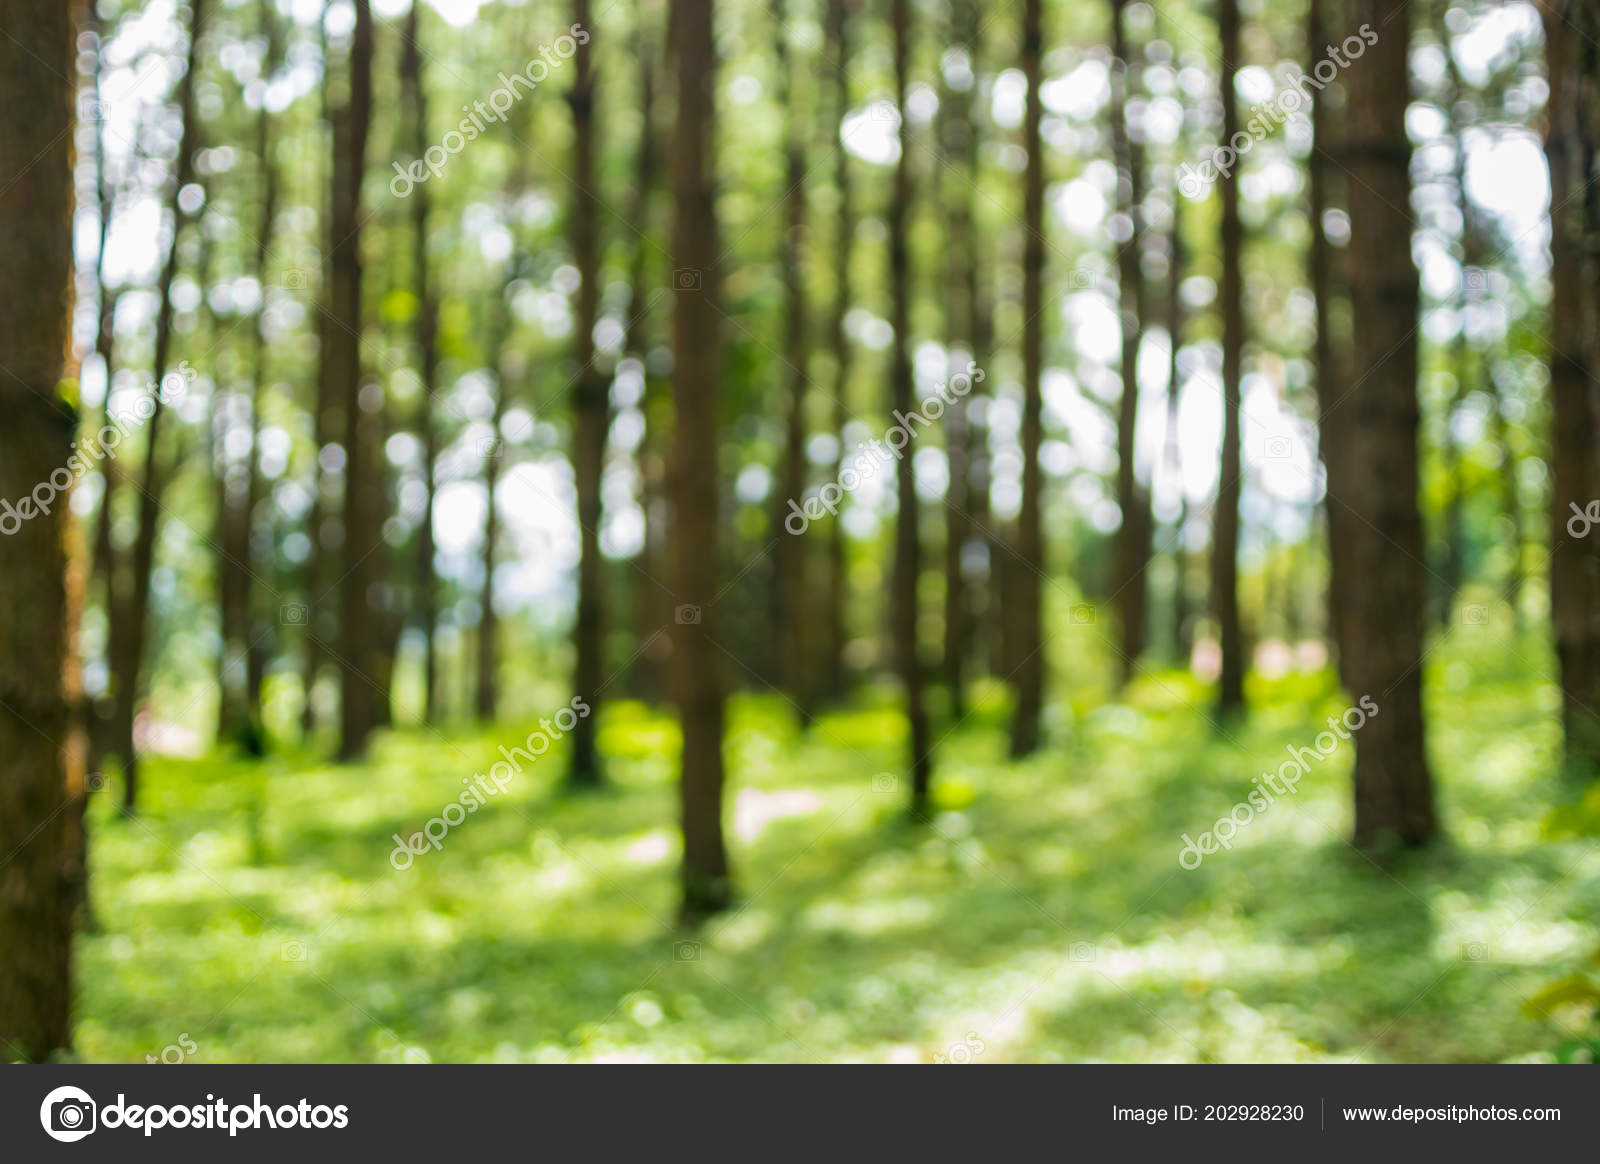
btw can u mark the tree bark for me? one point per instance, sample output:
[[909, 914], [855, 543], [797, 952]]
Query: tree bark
[[835, 613], [425, 334], [41, 749], [358, 631], [791, 587], [591, 411], [1393, 794], [696, 660], [1570, 136], [1025, 591], [1133, 536], [907, 548], [1225, 527]]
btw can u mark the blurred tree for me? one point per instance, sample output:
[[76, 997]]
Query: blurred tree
[[362, 535], [902, 394], [1225, 519], [1133, 535], [1393, 791], [791, 589], [697, 372], [1571, 132], [130, 623], [1025, 589], [425, 333], [590, 409]]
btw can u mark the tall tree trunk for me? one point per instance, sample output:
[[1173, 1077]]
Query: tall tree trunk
[[41, 751], [128, 663], [697, 369], [960, 143], [907, 550], [1172, 451], [1393, 794], [1575, 420], [791, 587], [246, 632], [1133, 536], [652, 607], [1025, 591], [486, 690], [1325, 356], [985, 608], [591, 417], [1225, 527], [362, 542], [319, 563], [425, 330], [835, 614]]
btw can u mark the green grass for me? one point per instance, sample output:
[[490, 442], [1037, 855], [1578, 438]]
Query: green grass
[[1042, 914]]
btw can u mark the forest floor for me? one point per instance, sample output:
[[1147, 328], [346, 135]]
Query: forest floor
[[253, 912]]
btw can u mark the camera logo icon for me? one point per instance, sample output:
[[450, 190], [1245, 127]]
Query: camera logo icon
[[68, 1114], [687, 615], [688, 279], [294, 614], [686, 952]]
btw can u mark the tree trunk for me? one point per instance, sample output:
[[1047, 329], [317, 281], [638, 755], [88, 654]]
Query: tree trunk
[[127, 667], [1025, 591], [591, 413], [1393, 795], [425, 330], [358, 632], [1570, 137], [961, 146], [907, 551], [835, 614], [1329, 368], [41, 751], [1172, 451], [1225, 527], [696, 660], [791, 588], [1133, 536], [652, 606]]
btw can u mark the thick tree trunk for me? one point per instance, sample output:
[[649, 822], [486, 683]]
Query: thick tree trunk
[[425, 331], [127, 664], [41, 749], [1570, 138], [1133, 536], [358, 631], [1025, 592], [696, 660], [907, 548], [1393, 795], [591, 413], [791, 587], [1225, 527]]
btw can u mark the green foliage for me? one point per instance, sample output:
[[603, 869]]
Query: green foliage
[[254, 907]]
